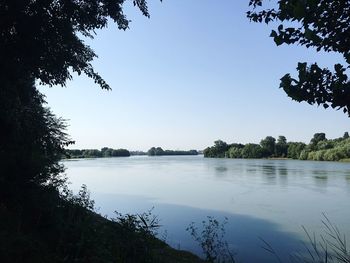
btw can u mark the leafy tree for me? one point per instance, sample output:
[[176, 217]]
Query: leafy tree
[[252, 150], [268, 146], [316, 139], [32, 140], [325, 144], [235, 152], [43, 39], [106, 152], [218, 150], [120, 153], [295, 149], [281, 147], [152, 151], [155, 151], [346, 135], [323, 25], [221, 146]]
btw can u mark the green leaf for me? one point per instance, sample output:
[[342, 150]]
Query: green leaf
[[278, 41], [273, 33], [299, 11]]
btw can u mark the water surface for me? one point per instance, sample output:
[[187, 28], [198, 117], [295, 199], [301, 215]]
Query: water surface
[[269, 199]]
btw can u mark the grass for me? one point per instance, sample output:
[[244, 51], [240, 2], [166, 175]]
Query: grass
[[329, 247], [45, 227]]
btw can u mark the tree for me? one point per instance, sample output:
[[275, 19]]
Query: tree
[[43, 39], [155, 151], [268, 146], [252, 150], [295, 149], [323, 25], [281, 147], [221, 145], [106, 152], [318, 137], [32, 141], [235, 152], [218, 150]]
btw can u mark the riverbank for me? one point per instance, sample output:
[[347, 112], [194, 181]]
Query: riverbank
[[66, 228]]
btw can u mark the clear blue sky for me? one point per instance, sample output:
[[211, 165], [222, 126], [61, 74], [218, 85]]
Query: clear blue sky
[[195, 72]]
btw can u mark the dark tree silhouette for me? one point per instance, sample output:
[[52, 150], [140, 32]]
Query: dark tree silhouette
[[32, 140], [42, 39], [323, 25]]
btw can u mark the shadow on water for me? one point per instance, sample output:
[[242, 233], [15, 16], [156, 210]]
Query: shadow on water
[[242, 231], [220, 171]]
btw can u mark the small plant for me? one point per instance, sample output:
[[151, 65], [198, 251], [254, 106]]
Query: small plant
[[82, 199], [211, 240], [145, 223], [330, 247]]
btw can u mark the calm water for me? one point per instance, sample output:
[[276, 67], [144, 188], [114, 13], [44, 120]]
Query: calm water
[[269, 199]]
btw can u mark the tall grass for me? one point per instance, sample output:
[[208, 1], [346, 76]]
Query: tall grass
[[329, 247]]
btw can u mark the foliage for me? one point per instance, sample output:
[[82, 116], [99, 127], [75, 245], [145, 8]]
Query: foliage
[[234, 152], [32, 141], [41, 220], [330, 247], [319, 149], [211, 239], [160, 152], [323, 25], [252, 150], [294, 149], [281, 147], [318, 137], [94, 153], [146, 223], [268, 146], [218, 150], [65, 228], [45, 39]]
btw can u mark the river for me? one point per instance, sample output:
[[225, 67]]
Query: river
[[261, 199]]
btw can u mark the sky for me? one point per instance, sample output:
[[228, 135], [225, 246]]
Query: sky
[[195, 72]]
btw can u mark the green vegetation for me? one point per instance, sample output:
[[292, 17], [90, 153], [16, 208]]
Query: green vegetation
[[94, 153], [210, 237], [319, 149], [157, 151], [40, 220], [329, 247], [109, 152], [323, 25], [63, 227], [44, 42]]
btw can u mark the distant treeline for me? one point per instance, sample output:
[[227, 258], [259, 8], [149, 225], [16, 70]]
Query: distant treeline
[[109, 152], [319, 149], [157, 151], [94, 153]]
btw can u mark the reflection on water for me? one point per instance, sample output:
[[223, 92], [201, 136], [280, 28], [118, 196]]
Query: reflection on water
[[267, 198], [242, 232], [221, 171], [347, 178], [268, 170]]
